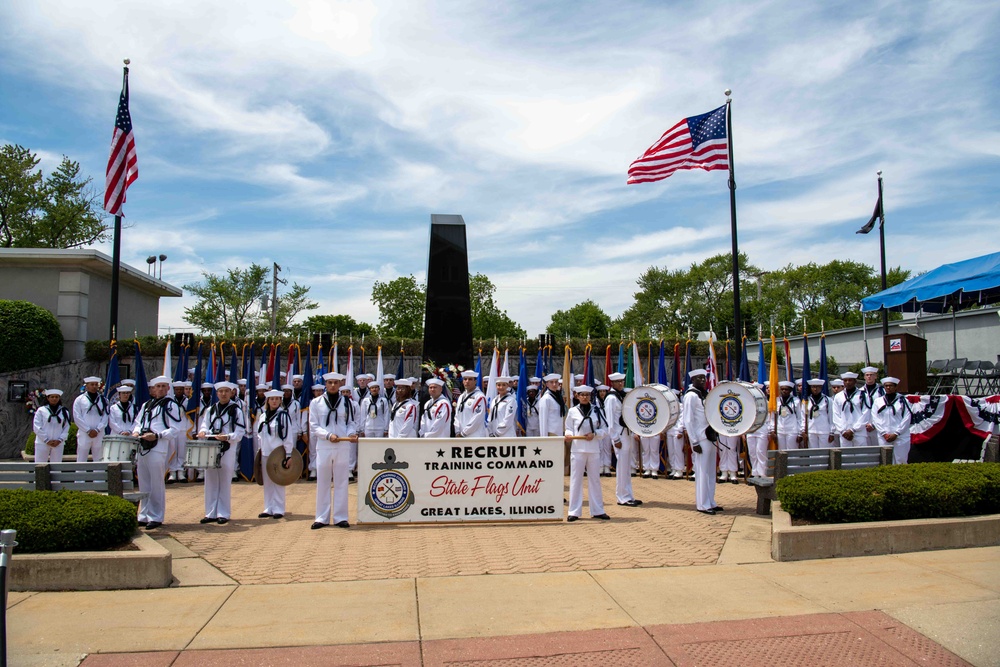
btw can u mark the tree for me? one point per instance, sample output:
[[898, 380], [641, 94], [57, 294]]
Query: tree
[[488, 321], [342, 325], [582, 320], [400, 306], [61, 211], [230, 304]]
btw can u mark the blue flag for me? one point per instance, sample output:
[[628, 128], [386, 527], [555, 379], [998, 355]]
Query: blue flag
[[661, 367], [306, 394], [822, 365], [400, 369], [114, 377], [744, 363], [195, 401], [479, 370], [321, 363], [522, 395], [540, 363], [761, 372], [141, 383], [687, 365], [806, 371], [276, 378], [621, 358], [234, 368]]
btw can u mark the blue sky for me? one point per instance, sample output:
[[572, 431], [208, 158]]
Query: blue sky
[[322, 135]]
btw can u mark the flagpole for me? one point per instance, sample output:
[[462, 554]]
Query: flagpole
[[116, 254], [881, 243], [732, 212]]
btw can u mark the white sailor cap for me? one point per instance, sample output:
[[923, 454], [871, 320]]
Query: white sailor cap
[[185, 384], [616, 377], [435, 382], [798, 382], [470, 374], [759, 385], [227, 373], [177, 383], [207, 385], [53, 392], [404, 382], [869, 369], [817, 382], [225, 385], [849, 376], [318, 386], [786, 384], [369, 376], [281, 374], [503, 378], [552, 376], [582, 389], [263, 386], [890, 380], [532, 386], [124, 389], [603, 387], [91, 378], [333, 375], [347, 389], [836, 383], [698, 372], [361, 376], [534, 379], [767, 383], [242, 382], [159, 379], [578, 376], [388, 376], [274, 393], [131, 383], [287, 387], [297, 377], [414, 381]]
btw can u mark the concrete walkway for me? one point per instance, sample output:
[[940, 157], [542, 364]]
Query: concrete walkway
[[932, 608]]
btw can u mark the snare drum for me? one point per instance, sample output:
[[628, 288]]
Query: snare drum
[[118, 447], [650, 409], [735, 408], [203, 454]]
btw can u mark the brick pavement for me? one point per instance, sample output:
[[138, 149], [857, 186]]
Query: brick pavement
[[665, 531]]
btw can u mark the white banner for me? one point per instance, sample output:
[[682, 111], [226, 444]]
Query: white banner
[[410, 480]]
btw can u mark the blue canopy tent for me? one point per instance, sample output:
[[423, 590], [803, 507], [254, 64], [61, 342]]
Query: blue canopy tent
[[953, 286]]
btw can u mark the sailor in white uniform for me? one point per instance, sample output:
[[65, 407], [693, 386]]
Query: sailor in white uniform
[[404, 416], [51, 426], [583, 430], [471, 411], [332, 421], [891, 416], [703, 449], [622, 440], [503, 412], [274, 431], [90, 413], [224, 421], [436, 421], [817, 417], [155, 426]]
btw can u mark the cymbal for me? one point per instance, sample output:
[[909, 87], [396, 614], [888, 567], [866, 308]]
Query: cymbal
[[280, 475]]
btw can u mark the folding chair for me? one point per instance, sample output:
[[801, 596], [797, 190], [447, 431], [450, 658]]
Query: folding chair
[[948, 380]]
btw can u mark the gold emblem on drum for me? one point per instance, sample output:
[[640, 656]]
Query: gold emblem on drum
[[645, 412], [730, 409]]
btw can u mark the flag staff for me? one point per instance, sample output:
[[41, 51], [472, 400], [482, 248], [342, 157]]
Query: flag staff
[[881, 245], [116, 254], [732, 212]]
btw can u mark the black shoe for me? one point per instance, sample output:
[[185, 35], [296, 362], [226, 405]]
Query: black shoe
[[707, 511], [207, 520], [719, 508], [222, 520], [184, 480], [342, 524], [571, 518], [169, 480], [636, 502], [602, 517], [631, 503], [318, 525], [311, 478], [142, 524], [153, 525], [277, 516], [264, 515]]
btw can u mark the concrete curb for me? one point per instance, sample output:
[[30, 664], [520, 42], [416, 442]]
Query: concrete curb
[[149, 567], [877, 538]]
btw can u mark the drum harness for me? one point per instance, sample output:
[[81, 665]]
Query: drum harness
[[218, 419], [146, 422]]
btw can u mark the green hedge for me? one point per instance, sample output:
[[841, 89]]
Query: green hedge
[[48, 521], [68, 448], [29, 336], [913, 491]]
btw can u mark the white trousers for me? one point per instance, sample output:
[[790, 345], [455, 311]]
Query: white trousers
[[274, 494], [150, 470], [353, 462], [757, 449], [873, 439], [605, 446], [46, 454], [333, 459], [219, 485], [85, 445], [578, 462], [820, 441], [650, 446], [787, 441], [704, 474], [675, 452], [900, 449], [176, 464], [729, 458], [623, 471]]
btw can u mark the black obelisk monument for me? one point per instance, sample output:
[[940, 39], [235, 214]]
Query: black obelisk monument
[[448, 313]]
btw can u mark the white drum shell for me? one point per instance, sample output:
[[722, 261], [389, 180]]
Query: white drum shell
[[650, 409], [118, 447], [735, 408], [203, 454]]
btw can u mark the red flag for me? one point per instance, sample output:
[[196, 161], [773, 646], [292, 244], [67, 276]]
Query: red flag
[[270, 366], [122, 164], [607, 365]]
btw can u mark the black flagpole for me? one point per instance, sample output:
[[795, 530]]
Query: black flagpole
[[732, 213], [881, 243], [116, 254]]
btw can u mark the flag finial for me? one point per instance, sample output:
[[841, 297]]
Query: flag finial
[[727, 92], [128, 61]]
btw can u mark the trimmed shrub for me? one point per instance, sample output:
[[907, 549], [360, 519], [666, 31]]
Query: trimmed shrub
[[48, 521], [68, 448], [913, 491], [29, 336]]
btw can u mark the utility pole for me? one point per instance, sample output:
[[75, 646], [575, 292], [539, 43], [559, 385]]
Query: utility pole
[[274, 298]]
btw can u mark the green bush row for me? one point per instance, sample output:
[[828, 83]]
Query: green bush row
[[48, 521], [913, 491], [29, 336], [68, 448]]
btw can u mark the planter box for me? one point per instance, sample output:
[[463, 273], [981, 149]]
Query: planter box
[[149, 567], [843, 540]]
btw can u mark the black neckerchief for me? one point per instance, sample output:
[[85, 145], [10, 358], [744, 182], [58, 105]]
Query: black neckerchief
[[558, 395], [57, 413], [531, 403], [496, 405], [816, 401], [129, 405], [465, 397], [334, 404], [223, 415], [283, 420], [585, 411], [361, 393], [890, 403], [431, 403], [374, 401], [285, 402], [848, 398], [99, 402], [148, 410], [790, 403], [700, 392], [599, 411], [396, 408]]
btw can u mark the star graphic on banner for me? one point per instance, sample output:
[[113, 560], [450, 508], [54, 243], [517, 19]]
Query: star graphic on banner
[[440, 452], [538, 451]]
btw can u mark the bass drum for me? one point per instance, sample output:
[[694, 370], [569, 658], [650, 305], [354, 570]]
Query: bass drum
[[735, 408], [650, 409]]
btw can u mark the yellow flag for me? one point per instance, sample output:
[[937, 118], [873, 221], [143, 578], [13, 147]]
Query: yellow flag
[[772, 400]]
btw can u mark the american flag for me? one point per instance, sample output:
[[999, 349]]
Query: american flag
[[122, 166], [698, 142]]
